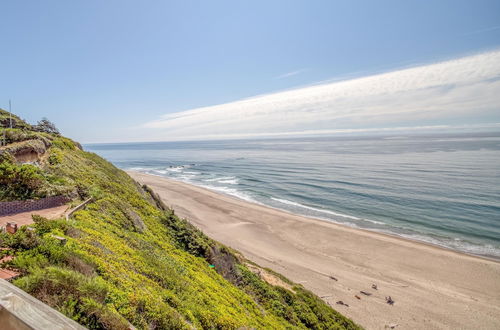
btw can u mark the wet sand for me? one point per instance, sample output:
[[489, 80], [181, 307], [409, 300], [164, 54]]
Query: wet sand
[[433, 288]]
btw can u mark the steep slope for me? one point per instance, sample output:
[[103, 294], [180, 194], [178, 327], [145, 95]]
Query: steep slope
[[128, 259]]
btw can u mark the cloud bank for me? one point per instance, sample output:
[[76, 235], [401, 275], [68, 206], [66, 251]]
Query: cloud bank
[[457, 92]]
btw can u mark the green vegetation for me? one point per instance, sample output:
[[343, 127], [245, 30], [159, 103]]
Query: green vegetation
[[28, 181], [21, 174], [6, 117], [128, 258], [19, 181]]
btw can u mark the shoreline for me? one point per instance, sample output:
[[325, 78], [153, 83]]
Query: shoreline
[[433, 286], [371, 231]]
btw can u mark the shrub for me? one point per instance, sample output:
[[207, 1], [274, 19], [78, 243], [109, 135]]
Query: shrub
[[26, 181], [64, 143], [77, 296], [55, 156], [21, 240], [19, 181], [187, 236]]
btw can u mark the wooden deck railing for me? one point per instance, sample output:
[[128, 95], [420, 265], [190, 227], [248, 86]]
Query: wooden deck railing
[[20, 311], [79, 207]]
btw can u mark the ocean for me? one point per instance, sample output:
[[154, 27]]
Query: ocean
[[440, 189]]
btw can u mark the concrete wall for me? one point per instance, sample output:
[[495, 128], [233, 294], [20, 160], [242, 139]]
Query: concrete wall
[[7, 208]]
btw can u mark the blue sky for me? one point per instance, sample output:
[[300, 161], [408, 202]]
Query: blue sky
[[117, 70]]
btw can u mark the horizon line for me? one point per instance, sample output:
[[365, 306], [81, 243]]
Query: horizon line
[[366, 132]]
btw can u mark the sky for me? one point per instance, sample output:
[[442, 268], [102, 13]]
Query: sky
[[118, 71]]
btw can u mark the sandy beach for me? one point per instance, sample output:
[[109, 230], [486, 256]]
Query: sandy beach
[[432, 287]]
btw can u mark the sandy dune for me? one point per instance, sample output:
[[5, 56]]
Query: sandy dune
[[433, 288]]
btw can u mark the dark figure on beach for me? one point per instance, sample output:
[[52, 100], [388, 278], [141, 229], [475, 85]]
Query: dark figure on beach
[[389, 300], [374, 286]]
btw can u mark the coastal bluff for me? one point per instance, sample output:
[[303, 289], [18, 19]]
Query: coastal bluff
[[122, 259]]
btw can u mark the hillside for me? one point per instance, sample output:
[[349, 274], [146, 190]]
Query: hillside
[[128, 259]]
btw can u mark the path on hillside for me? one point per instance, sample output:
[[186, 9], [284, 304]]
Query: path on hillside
[[25, 218]]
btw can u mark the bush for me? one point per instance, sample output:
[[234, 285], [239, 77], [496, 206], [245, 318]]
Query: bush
[[19, 181], [64, 143], [21, 240], [55, 156], [17, 135], [26, 181], [187, 236], [75, 295]]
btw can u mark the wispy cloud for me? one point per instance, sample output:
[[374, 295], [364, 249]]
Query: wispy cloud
[[290, 74], [447, 93], [484, 30]]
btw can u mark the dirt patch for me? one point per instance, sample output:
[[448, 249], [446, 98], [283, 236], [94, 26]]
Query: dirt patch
[[269, 277], [26, 156]]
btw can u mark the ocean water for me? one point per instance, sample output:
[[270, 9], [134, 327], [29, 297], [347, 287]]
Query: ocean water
[[443, 189]]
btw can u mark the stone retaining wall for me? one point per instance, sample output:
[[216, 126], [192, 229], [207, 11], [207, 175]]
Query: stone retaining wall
[[8, 208]]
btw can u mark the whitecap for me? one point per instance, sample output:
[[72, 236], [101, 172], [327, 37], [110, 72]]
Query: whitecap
[[232, 192], [220, 179], [140, 169], [159, 171], [234, 181], [175, 169], [284, 201], [457, 244]]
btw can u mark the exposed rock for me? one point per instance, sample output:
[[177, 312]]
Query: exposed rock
[[139, 225], [224, 262], [30, 151], [155, 198]]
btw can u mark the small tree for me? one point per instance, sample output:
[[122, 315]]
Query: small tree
[[47, 126]]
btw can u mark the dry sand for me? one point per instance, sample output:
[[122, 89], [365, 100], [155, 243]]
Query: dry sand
[[433, 288]]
